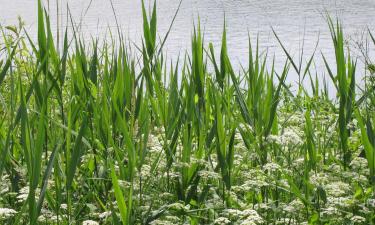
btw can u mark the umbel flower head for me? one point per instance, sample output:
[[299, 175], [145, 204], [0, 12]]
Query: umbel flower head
[[6, 213], [90, 222]]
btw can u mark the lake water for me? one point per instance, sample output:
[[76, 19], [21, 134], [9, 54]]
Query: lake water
[[293, 20]]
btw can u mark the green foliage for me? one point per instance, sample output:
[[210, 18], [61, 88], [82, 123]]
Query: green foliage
[[344, 81], [90, 130]]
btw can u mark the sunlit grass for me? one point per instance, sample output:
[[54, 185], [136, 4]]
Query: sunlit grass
[[97, 134]]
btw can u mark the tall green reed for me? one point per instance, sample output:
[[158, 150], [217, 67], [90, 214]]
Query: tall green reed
[[344, 81], [259, 106]]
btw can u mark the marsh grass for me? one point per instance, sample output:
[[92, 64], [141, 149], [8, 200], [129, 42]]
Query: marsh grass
[[95, 132]]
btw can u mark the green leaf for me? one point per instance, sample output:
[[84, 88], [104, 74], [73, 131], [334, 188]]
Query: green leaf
[[77, 153], [119, 197]]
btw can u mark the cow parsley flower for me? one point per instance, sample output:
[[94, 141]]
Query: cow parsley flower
[[330, 211], [319, 179], [271, 167], [298, 163], [222, 221], [104, 215], [232, 213], [248, 222], [371, 202], [176, 206], [283, 221], [358, 163], [145, 171], [291, 137], [252, 216], [64, 206], [23, 194], [7, 213], [154, 144], [161, 222], [274, 139], [358, 219], [337, 189], [174, 219], [90, 222], [343, 202], [205, 174], [294, 206]]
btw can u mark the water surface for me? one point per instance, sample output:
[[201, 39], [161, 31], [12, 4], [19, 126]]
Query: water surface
[[295, 21]]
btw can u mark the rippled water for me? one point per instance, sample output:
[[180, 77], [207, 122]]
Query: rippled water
[[293, 20]]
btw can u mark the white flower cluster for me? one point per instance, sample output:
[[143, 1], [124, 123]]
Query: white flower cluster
[[173, 219], [4, 188], [352, 124], [318, 179], [90, 222], [297, 119], [205, 174], [154, 144], [104, 215], [294, 207], [290, 137], [161, 222], [248, 221], [341, 202], [271, 167], [255, 179], [47, 216], [222, 221], [145, 171], [247, 216], [251, 217], [289, 221], [178, 206], [371, 202], [254, 184], [358, 219], [7, 213], [24, 193], [299, 162], [331, 212], [337, 189], [232, 213], [335, 168], [358, 163]]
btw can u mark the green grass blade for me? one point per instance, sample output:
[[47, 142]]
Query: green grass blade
[[119, 197]]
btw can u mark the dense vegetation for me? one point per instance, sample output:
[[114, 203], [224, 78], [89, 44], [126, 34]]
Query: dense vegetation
[[92, 133]]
